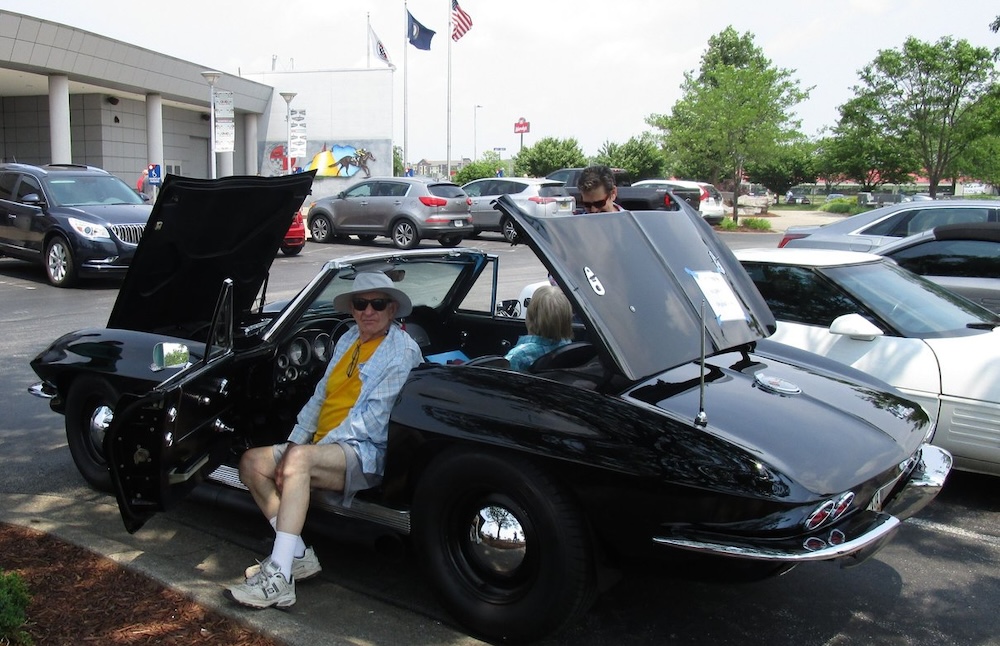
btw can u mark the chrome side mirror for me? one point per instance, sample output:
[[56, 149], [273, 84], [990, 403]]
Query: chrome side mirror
[[170, 355]]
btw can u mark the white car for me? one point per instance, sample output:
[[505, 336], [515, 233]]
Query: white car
[[866, 311], [712, 208], [537, 196]]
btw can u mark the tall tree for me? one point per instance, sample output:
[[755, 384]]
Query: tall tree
[[860, 151], [734, 110], [790, 165], [547, 155], [926, 95], [640, 156]]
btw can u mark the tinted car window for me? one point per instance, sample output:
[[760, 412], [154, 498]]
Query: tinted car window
[[361, 190], [446, 190], [393, 189], [886, 227], [799, 295], [918, 220], [475, 189], [552, 191], [972, 258], [7, 181], [28, 186]]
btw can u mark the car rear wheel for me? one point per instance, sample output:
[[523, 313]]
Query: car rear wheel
[[367, 237], [59, 267], [508, 230], [404, 234], [89, 410], [450, 241], [291, 251], [503, 544], [320, 228]]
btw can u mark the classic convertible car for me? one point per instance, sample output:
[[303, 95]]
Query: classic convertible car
[[670, 430]]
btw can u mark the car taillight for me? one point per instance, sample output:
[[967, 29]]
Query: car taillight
[[430, 200], [791, 236], [667, 202], [468, 201], [704, 193], [541, 200], [297, 220]]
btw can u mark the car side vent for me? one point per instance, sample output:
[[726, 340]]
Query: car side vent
[[128, 233]]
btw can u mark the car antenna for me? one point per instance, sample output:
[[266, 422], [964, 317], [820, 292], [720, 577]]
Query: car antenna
[[701, 419], [263, 293]]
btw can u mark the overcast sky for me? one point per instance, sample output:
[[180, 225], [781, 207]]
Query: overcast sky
[[589, 69]]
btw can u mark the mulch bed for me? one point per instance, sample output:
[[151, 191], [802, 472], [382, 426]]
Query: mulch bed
[[79, 597]]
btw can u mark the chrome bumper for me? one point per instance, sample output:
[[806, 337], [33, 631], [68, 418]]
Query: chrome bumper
[[43, 389], [851, 542], [924, 483]]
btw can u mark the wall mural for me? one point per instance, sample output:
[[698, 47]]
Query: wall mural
[[336, 161]]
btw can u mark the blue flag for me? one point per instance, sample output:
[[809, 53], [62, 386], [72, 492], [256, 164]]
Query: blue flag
[[419, 36]]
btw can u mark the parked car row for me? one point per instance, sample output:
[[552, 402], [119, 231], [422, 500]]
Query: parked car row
[[712, 206]]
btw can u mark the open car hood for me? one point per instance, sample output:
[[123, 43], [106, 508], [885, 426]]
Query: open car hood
[[639, 278], [200, 233]]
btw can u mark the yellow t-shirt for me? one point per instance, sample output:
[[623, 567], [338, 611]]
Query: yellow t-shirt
[[343, 390]]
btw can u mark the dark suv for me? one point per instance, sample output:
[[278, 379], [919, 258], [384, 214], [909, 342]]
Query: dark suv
[[75, 220]]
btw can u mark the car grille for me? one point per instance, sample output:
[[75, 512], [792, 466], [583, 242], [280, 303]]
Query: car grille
[[128, 233]]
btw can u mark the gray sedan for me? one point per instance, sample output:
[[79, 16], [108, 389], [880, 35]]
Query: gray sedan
[[865, 231]]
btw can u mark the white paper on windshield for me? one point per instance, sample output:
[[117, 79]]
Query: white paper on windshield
[[719, 295]]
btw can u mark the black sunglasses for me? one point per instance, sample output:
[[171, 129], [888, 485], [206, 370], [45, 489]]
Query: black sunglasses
[[378, 304], [596, 205]]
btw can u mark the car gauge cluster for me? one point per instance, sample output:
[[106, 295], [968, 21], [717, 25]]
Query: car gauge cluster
[[306, 353]]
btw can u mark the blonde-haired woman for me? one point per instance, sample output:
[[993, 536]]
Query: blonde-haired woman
[[550, 325]]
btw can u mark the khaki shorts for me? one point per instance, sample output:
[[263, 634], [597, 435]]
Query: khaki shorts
[[355, 479]]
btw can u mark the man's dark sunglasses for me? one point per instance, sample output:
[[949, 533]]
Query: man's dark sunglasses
[[596, 205], [378, 304]]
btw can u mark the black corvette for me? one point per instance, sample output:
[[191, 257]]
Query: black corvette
[[670, 430]]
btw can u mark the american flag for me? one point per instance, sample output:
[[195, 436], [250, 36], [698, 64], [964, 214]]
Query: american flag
[[462, 21]]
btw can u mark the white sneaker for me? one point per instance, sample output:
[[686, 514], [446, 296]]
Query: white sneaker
[[303, 567], [268, 588]]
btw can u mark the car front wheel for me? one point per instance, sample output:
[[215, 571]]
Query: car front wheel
[[89, 410], [404, 235], [320, 228], [59, 267], [503, 544]]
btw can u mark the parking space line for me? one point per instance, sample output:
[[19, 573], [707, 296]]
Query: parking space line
[[955, 531], [16, 284]]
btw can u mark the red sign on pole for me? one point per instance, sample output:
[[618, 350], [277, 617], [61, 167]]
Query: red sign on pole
[[521, 126]]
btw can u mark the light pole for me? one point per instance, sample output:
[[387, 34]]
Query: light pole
[[288, 96], [475, 130], [212, 78]]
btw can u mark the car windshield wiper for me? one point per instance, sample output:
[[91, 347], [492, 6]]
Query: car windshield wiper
[[983, 325]]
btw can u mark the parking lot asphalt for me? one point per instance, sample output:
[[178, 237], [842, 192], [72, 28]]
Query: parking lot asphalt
[[200, 565]]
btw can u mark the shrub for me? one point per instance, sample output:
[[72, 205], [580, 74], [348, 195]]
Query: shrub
[[760, 224], [14, 600], [727, 224], [843, 205]]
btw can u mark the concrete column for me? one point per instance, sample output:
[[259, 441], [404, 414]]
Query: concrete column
[[60, 141], [225, 164], [251, 154], [154, 129]]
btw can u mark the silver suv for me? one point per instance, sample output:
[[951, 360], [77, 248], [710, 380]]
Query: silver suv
[[405, 209], [536, 196]]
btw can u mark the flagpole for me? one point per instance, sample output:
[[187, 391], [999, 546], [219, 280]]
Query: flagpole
[[368, 39], [448, 178], [406, 94]]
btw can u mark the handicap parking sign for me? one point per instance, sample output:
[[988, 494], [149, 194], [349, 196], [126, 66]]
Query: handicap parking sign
[[155, 174]]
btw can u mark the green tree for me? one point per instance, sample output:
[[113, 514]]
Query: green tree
[[733, 112], [926, 95], [547, 155], [485, 166], [860, 151], [397, 161], [640, 156], [789, 165]]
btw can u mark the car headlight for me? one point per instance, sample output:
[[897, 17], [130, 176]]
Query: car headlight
[[89, 230]]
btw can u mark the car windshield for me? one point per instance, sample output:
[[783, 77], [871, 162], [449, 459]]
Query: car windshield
[[89, 190], [914, 306]]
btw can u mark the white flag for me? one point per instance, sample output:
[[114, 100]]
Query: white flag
[[378, 48]]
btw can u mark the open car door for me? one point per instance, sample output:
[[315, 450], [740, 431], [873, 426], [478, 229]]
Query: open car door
[[161, 444]]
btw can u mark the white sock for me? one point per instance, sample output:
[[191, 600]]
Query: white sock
[[300, 546], [283, 552]]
